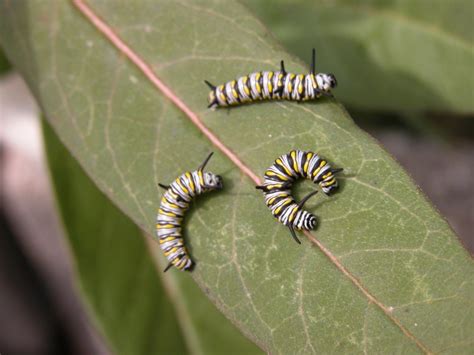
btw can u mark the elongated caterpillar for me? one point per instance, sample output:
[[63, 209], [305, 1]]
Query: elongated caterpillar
[[174, 204], [270, 85], [279, 179]]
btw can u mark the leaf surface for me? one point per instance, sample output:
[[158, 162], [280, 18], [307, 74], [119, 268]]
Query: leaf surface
[[385, 272], [139, 310], [388, 55]]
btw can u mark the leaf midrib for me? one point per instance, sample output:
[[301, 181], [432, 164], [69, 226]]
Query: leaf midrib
[[145, 68]]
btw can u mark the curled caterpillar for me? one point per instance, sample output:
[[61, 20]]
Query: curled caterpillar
[[279, 179], [174, 204], [269, 85]]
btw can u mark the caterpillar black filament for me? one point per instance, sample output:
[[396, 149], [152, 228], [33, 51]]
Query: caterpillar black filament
[[279, 179], [269, 85], [174, 204]]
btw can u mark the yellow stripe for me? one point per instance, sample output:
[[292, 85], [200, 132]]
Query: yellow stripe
[[246, 89], [295, 165], [181, 185], [306, 164], [257, 78], [191, 182], [270, 86], [165, 226], [167, 239], [292, 215], [279, 162], [169, 214], [290, 85], [281, 176], [180, 264], [201, 178], [171, 251], [234, 93], [300, 87], [330, 182], [321, 164], [282, 205], [277, 186]]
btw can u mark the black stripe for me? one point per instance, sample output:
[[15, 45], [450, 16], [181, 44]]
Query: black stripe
[[249, 87], [315, 166], [173, 223], [236, 88], [304, 158], [290, 162], [275, 178], [292, 86], [280, 169], [303, 93], [271, 82]]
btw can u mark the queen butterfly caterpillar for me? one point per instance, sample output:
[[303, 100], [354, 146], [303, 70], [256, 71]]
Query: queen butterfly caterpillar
[[270, 85], [279, 179], [174, 204]]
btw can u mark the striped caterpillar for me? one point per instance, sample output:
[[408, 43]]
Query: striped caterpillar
[[279, 179], [270, 85], [174, 204]]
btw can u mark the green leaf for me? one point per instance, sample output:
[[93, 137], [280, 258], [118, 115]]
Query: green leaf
[[140, 310], [387, 55], [4, 64], [384, 272]]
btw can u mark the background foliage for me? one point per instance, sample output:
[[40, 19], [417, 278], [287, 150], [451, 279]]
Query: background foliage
[[397, 55]]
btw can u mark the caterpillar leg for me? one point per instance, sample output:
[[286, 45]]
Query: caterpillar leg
[[293, 234], [327, 94]]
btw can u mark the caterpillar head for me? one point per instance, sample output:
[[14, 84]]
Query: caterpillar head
[[305, 220], [311, 222], [326, 82], [212, 181]]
